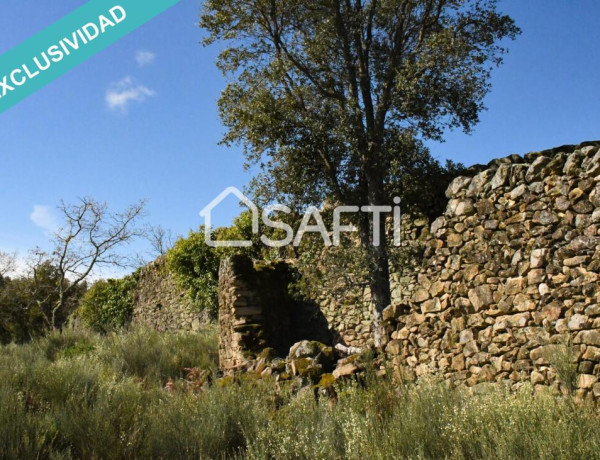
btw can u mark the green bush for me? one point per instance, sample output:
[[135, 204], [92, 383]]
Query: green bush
[[108, 305], [195, 266]]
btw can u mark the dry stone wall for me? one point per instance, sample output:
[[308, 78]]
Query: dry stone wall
[[349, 314], [257, 311], [161, 305], [510, 276], [503, 288]]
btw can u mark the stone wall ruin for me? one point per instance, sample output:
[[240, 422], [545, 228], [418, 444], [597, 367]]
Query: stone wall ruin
[[508, 277]]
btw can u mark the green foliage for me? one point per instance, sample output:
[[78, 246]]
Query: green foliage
[[103, 403], [329, 97], [562, 357], [27, 302], [332, 99], [60, 404], [108, 305], [195, 266]]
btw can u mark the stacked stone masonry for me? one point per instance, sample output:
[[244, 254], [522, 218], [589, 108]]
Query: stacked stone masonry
[[494, 291], [349, 318], [257, 311], [161, 305], [510, 274]]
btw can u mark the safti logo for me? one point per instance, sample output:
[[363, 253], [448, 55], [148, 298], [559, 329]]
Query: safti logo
[[312, 222]]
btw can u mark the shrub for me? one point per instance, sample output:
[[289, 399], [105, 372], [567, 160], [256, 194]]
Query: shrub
[[195, 266], [563, 360], [110, 402], [155, 356], [108, 305]]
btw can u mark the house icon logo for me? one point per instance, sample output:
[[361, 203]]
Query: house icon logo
[[206, 213]]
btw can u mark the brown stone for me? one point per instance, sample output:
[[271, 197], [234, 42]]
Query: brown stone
[[454, 240], [586, 381], [345, 371], [431, 306], [421, 295], [592, 354], [513, 286], [458, 363], [588, 338], [481, 297], [394, 348], [523, 302]]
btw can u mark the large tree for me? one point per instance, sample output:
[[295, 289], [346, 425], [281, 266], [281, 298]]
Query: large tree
[[329, 97]]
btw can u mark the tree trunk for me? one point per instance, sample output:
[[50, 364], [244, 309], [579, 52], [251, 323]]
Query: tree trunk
[[377, 260]]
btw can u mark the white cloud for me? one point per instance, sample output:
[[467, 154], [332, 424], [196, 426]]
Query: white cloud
[[144, 58], [120, 94], [43, 217]]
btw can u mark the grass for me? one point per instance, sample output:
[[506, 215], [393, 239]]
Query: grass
[[80, 395]]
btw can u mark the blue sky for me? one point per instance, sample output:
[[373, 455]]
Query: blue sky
[[139, 120]]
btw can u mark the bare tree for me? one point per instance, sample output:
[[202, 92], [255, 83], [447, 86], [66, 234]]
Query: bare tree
[[8, 263], [161, 240], [90, 238]]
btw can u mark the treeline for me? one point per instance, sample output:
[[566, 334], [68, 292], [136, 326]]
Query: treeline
[[27, 302]]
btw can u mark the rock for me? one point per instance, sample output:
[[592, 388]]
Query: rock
[[577, 322], [543, 289], [458, 363], [538, 258], [304, 349], [593, 168], [513, 285], [481, 297], [501, 176], [572, 165], [537, 378], [518, 192], [586, 381], [466, 336], [465, 208], [552, 311], [545, 218], [457, 185], [562, 203], [592, 354], [454, 240], [523, 302], [436, 288], [394, 348], [438, 225], [431, 306], [346, 370], [583, 207], [575, 261], [479, 182], [306, 368], [317, 352], [421, 295], [593, 310], [535, 170], [588, 338]]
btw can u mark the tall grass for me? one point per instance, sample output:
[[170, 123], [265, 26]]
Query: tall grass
[[79, 395]]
